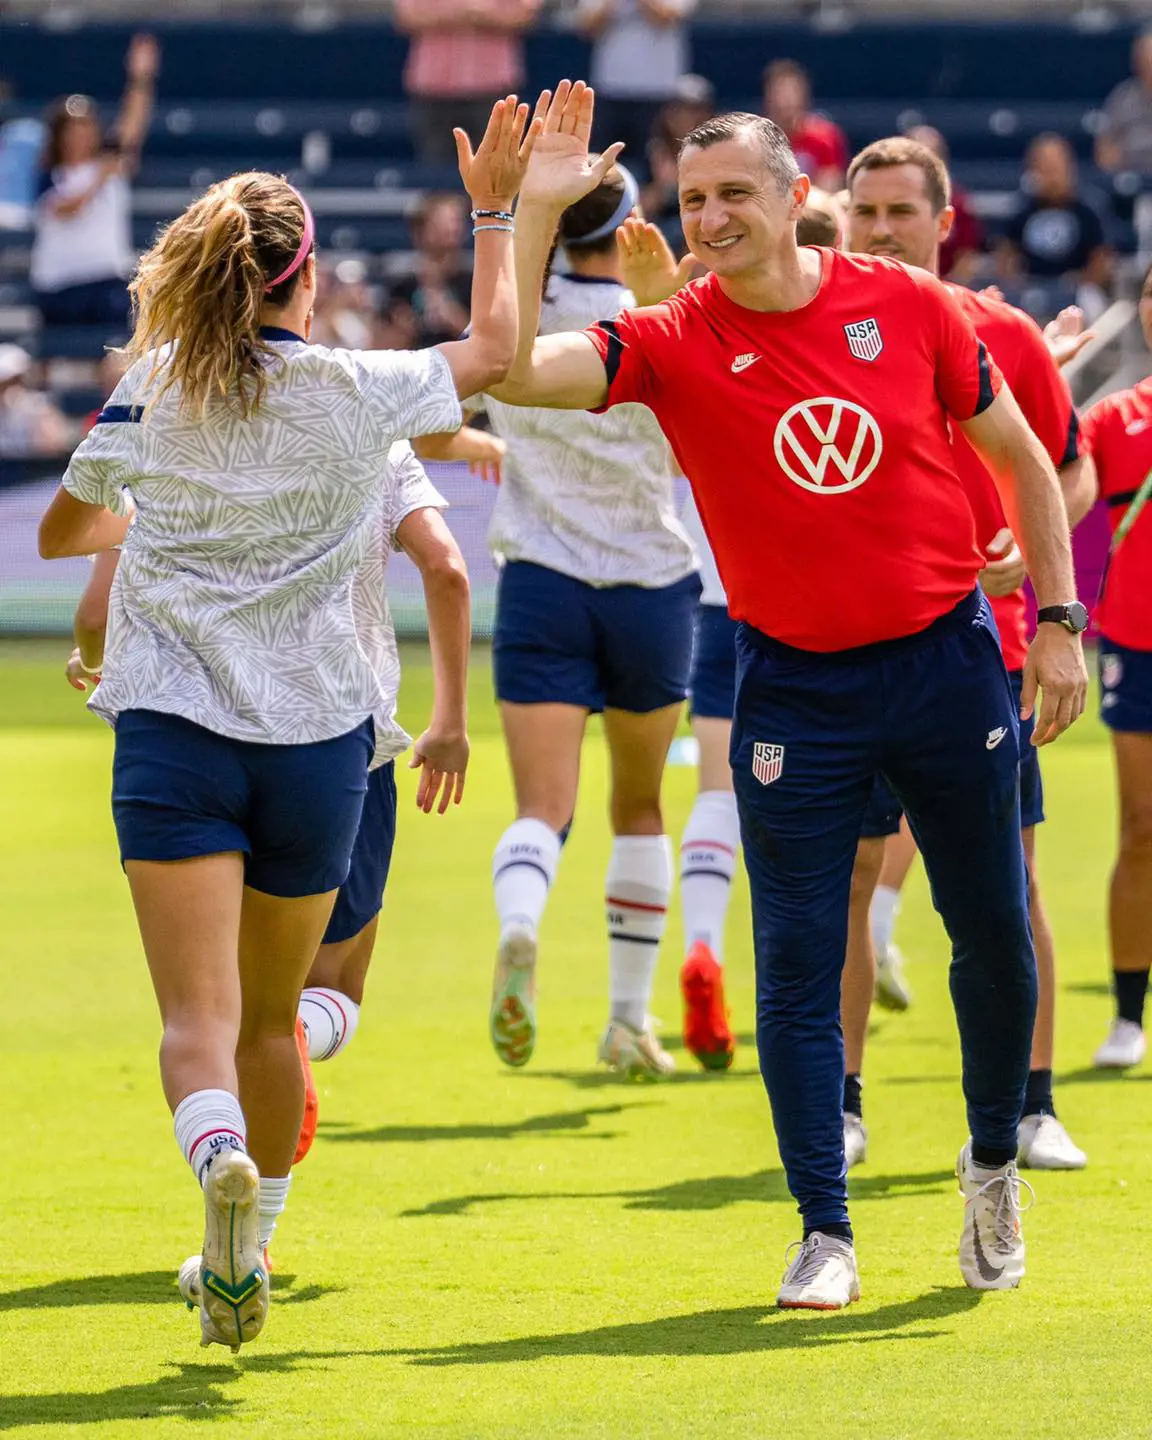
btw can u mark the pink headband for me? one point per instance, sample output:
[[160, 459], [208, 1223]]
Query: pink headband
[[306, 241]]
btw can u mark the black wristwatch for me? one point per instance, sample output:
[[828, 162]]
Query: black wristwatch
[[1073, 617]]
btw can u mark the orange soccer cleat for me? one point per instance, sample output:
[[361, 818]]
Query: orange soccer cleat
[[707, 1033], [311, 1103]]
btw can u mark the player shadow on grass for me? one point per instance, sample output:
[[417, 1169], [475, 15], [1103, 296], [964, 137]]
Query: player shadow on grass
[[563, 1122], [714, 1192], [144, 1287], [187, 1392], [609, 1080], [740, 1330]]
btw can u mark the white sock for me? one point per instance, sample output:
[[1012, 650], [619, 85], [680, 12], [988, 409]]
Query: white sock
[[206, 1123], [882, 915], [329, 1019], [273, 1197], [523, 868], [707, 864], [636, 892]]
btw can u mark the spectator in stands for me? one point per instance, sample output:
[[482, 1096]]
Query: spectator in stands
[[693, 103], [82, 253], [30, 423], [640, 51], [960, 254], [342, 312], [438, 290], [1055, 235], [1125, 143], [463, 55], [819, 145]]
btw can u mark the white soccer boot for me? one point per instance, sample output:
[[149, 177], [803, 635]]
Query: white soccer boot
[[512, 1019], [855, 1139], [636, 1054], [233, 1280], [892, 990], [1124, 1047], [991, 1243], [821, 1277], [1046, 1145], [189, 1282]]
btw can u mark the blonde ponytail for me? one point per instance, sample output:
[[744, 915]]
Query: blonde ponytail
[[201, 288]]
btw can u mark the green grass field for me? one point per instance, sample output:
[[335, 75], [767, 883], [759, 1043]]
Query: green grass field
[[471, 1252]]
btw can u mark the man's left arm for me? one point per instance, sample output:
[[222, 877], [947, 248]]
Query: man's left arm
[[1034, 505]]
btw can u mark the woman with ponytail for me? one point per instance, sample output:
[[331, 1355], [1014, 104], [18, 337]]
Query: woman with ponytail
[[597, 596], [239, 688]]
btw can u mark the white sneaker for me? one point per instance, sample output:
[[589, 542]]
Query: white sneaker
[[1124, 1046], [991, 1243], [189, 1282], [892, 990], [233, 1281], [821, 1277], [1046, 1145], [636, 1054], [855, 1139], [512, 1019]]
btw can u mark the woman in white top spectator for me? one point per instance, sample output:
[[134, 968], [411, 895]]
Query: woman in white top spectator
[[233, 673], [82, 254]]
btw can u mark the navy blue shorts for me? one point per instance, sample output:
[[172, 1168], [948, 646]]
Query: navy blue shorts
[[714, 663], [361, 895], [884, 812], [179, 791], [1125, 687], [617, 647]]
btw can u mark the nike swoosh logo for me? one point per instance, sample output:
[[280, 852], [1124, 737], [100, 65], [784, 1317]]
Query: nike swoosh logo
[[743, 364], [994, 739], [987, 1272]]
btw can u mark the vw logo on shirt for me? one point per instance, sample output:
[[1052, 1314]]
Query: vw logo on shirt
[[828, 445]]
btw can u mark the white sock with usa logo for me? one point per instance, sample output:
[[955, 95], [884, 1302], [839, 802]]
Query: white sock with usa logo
[[636, 892], [207, 1123]]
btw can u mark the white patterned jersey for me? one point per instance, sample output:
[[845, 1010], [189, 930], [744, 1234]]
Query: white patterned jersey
[[588, 495], [713, 592], [407, 489], [232, 605]]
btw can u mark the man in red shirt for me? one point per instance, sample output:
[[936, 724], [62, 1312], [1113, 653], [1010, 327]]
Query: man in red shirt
[[899, 206], [1118, 431], [818, 143], [807, 396]]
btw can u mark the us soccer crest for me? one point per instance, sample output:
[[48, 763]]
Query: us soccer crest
[[864, 339], [767, 762], [1111, 671]]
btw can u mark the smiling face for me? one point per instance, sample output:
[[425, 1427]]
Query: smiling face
[[735, 214], [890, 213], [1146, 309]]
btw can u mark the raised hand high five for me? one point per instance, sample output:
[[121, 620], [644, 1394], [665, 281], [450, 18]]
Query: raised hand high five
[[647, 263], [493, 173], [560, 169]]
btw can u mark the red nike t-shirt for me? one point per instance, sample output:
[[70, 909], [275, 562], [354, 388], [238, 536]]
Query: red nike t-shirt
[[817, 444], [1118, 434], [1015, 343]]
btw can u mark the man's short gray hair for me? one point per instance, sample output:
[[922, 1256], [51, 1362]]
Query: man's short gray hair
[[774, 146]]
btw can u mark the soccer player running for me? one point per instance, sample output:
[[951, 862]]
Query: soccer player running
[[807, 396], [898, 206], [1118, 431], [594, 612], [234, 676]]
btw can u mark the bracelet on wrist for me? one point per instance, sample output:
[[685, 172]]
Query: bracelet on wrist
[[492, 215], [503, 229], [99, 670]]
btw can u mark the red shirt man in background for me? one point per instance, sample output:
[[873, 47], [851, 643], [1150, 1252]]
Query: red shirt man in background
[[899, 206], [818, 143], [808, 397]]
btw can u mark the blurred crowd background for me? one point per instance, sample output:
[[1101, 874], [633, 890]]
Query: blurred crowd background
[[110, 122]]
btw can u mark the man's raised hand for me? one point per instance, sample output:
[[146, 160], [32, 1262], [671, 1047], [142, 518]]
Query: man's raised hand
[[560, 170]]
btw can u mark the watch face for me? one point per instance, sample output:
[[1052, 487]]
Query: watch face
[[1077, 617]]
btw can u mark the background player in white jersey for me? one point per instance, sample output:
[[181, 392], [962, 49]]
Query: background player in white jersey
[[242, 699], [594, 613]]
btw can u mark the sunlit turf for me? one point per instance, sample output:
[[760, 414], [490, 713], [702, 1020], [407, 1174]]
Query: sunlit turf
[[471, 1252]]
